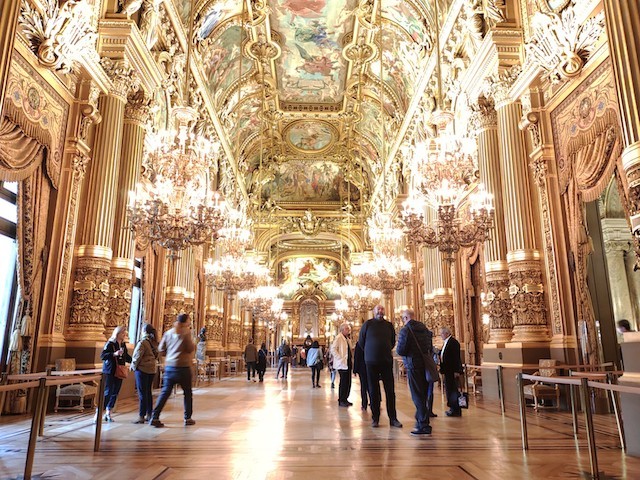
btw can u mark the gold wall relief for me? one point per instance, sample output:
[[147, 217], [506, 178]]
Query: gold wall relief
[[120, 286], [90, 298], [498, 306], [527, 301], [173, 305]]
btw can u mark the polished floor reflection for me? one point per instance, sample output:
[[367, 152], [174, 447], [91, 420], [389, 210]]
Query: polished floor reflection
[[286, 429]]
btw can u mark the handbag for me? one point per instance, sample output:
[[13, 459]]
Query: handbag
[[463, 400], [430, 367], [121, 371]]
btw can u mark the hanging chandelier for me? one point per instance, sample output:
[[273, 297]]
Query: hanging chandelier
[[176, 209], [443, 175], [387, 270], [359, 298], [445, 189], [260, 298]]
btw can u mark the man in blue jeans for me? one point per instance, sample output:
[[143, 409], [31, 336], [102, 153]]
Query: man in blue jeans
[[178, 347]]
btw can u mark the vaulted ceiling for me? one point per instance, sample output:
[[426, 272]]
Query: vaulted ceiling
[[297, 87]]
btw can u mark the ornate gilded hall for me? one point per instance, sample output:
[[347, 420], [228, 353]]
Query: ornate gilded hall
[[276, 168]]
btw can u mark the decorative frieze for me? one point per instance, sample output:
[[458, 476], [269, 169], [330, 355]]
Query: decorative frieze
[[120, 286], [527, 298], [498, 306]]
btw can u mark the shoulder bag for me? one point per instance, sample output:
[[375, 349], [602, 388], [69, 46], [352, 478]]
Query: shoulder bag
[[430, 368]]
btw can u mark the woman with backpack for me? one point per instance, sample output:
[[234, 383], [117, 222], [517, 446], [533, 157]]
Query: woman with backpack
[[314, 360]]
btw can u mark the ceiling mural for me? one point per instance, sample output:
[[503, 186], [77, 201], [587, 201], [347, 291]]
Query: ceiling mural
[[310, 136], [295, 273], [297, 181], [221, 56], [312, 68]]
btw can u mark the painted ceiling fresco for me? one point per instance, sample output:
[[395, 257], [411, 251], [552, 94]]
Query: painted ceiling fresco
[[312, 70], [299, 81], [296, 272]]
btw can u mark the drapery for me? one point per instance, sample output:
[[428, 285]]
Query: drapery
[[20, 154]]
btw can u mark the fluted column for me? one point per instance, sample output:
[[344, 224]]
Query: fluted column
[[443, 297], [9, 10], [623, 29], [93, 257], [523, 258], [485, 121], [136, 114], [173, 294]]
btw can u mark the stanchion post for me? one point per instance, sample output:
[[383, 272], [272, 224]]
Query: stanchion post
[[35, 427], [523, 413], [99, 408], [574, 410], [501, 388], [586, 406], [611, 379], [43, 412]]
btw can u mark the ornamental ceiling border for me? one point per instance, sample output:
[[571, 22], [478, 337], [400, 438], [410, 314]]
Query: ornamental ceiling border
[[24, 106]]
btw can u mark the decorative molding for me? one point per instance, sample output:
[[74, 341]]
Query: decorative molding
[[59, 32], [122, 77], [562, 43]]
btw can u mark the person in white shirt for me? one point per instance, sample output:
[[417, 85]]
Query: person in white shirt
[[343, 363]]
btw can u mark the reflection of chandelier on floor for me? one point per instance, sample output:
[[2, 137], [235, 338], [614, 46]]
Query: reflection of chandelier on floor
[[386, 271], [443, 173], [176, 209]]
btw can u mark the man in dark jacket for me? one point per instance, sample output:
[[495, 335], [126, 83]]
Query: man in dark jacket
[[377, 339], [360, 368], [415, 340], [451, 368]]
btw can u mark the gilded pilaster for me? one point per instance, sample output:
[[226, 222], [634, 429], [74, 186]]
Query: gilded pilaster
[[136, 113], [623, 29], [525, 269], [498, 302], [93, 258], [9, 10], [173, 295]]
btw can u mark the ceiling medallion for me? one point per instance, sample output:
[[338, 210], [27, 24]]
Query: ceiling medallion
[[310, 136]]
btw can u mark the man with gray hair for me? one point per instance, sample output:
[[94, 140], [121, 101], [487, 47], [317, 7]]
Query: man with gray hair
[[343, 363], [415, 341]]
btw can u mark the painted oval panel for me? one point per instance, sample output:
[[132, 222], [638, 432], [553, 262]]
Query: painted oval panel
[[310, 136]]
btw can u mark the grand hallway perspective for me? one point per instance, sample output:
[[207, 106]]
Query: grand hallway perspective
[[286, 430]]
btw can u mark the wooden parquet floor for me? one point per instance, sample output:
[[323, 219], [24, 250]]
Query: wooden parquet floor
[[282, 430]]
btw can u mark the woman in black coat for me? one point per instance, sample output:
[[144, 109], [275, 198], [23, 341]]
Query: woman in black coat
[[261, 366], [113, 354]]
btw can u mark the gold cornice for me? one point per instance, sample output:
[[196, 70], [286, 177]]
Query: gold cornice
[[122, 263], [120, 38], [94, 251], [523, 256], [496, 266]]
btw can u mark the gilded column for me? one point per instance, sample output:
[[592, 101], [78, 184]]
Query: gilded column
[[485, 121], [93, 257], [443, 297], [431, 275], [9, 10], [173, 294], [623, 28], [525, 269], [136, 114]]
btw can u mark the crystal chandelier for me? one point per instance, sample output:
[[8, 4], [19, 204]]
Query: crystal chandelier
[[387, 271], [358, 298], [442, 178], [260, 298], [235, 270], [443, 174]]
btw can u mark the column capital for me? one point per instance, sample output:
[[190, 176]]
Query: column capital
[[122, 77], [483, 115], [138, 108], [498, 86]]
